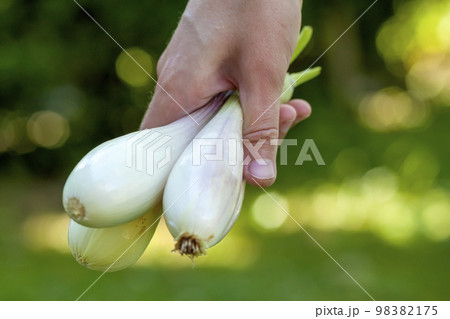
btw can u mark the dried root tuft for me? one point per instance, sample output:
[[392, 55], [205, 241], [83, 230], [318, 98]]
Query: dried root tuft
[[81, 260], [75, 209], [190, 245]]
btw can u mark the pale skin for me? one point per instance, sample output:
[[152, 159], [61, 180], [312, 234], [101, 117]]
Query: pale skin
[[243, 45]]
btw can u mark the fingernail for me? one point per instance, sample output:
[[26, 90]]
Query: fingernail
[[262, 170]]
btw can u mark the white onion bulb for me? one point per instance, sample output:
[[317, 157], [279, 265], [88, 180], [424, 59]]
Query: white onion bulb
[[123, 178], [214, 190], [112, 248]]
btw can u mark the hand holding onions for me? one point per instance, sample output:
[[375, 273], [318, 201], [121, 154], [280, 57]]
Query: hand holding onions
[[114, 206]]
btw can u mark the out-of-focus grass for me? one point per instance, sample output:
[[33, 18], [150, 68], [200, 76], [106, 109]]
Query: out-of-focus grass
[[286, 266]]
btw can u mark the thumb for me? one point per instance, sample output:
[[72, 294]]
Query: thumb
[[180, 90], [260, 105]]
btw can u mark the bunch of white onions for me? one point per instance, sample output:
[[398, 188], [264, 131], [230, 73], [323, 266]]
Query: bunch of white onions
[[115, 205]]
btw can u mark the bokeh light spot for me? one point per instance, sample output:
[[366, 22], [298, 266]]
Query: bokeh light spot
[[324, 202], [443, 31], [14, 135], [3, 146], [436, 221], [47, 231], [392, 109], [394, 222], [418, 28], [129, 72], [379, 184], [351, 208], [430, 77], [267, 213], [48, 129]]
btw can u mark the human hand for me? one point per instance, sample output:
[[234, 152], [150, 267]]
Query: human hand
[[227, 45]]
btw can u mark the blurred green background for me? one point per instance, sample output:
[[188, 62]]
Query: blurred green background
[[381, 118]]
